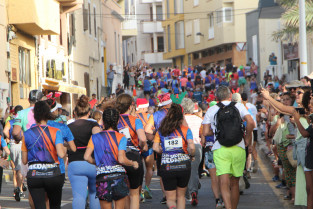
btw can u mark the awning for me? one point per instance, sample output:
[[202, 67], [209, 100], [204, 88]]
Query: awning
[[53, 85]]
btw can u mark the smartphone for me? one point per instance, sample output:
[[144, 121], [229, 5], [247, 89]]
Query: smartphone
[[301, 111]]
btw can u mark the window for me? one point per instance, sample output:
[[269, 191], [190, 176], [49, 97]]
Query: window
[[160, 44], [169, 39], [24, 69], [189, 28], [196, 30], [159, 13], [195, 2], [126, 7], [179, 35], [219, 16], [178, 6], [228, 14], [95, 21], [85, 19], [151, 14], [168, 8], [89, 17]]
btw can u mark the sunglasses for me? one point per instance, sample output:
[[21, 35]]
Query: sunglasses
[[299, 92]]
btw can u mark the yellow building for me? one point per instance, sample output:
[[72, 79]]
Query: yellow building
[[215, 31], [174, 31], [26, 20]]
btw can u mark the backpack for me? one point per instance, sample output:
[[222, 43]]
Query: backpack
[[229, 125]]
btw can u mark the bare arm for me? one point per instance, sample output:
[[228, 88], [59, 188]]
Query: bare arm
[[87, 156], [72, 146], [60, 150], [287, 110], [149, 128], [122, 159], [249, 129], [207, 131], [142, 139], [96, 130], [301, 129], [24, 157], [157, 148], [6, 131], [191, 147], [7, 151]]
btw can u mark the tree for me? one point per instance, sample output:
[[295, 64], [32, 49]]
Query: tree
[[291, 19]]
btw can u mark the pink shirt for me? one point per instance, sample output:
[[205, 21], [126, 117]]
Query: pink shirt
[[183, 81]]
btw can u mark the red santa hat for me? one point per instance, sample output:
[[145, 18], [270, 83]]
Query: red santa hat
[[164, 99], [141, 103]]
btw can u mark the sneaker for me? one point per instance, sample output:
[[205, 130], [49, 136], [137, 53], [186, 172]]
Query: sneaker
[[246, 182], [219, 205], [17, 192], [248, 175], [24, 188], [275, 178], [163, 201], [147, 193], [255, 166], [142, 197], [281, 186], [194, 201], [22, 195]]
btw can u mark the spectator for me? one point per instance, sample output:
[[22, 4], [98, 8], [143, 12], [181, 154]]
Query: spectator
[[110, 77]]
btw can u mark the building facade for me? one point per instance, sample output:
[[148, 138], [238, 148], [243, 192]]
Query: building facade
[[174, 32], [215, 31]]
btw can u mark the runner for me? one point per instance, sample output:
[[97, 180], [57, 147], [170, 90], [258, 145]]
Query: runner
[[172, 141], [153, 125], [109, 148], [81, 173], [229, 159], [41, 147], [132, 128], [142, 109]]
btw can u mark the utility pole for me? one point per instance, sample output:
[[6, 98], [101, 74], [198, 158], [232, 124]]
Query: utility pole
[[302, 40]]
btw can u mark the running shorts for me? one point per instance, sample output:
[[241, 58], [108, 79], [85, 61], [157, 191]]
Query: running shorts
[[135, 176], [230, 160], [173, 179]]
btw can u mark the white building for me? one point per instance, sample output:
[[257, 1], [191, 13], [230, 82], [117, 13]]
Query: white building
[[147, 44]]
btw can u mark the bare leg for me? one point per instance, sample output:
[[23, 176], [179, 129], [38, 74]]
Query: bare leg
[[149, 169], [215, 183], [134, 198], [171, 198], [309, 188], [234, 184], [181, 201], [225, 190], [105, 204]]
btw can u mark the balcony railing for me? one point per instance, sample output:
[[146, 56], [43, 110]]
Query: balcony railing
[[155, 57], [152, 27]]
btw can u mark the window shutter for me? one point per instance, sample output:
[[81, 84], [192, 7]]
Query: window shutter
[[85, 17]]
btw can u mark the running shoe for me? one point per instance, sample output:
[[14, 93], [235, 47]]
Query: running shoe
[[142, 197], [24, 188], [219, 205], [163, 201], [281, 186], [17, 192], [22, 195], [245, 178], [255, 166], [147, 193], [194, 201], [275, 178]]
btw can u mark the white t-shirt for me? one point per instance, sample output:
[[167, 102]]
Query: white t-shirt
[[203, 73], [253, 98], [194, 123], [254, 112], [209, 118]]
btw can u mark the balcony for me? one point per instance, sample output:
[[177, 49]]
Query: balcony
[[150, 1], [152, 27], [155, 58], [35, 17], [129, 27], [70, 5]]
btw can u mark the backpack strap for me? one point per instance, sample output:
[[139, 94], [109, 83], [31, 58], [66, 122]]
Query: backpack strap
[[220, 105]]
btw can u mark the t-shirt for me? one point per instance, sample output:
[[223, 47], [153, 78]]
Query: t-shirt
[[25, 118], [209, 118], [106, 145], [203, 73], [157, 117], [253, 98], [197, 95], [253, 111], [183, 81], [67, 136], [194, 123], [146, 85], [40, 144], [82, 131]]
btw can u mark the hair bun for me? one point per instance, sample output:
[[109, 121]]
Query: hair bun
[[83, 101]]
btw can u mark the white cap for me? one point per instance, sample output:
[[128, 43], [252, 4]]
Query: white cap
[[57, 106]]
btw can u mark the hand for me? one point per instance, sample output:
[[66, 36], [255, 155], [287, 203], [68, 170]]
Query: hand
[[135, 165], [296, 116], [192, 158], [265, 93]]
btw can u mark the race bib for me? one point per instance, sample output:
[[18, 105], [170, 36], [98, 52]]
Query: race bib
[[173, 143], [125, 131]]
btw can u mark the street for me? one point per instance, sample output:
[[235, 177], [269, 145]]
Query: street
[[261, 195]]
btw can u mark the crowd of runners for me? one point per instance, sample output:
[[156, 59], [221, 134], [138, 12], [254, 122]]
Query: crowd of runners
[[180, 123]]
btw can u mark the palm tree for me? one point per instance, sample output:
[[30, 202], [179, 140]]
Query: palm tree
[[291, 19]]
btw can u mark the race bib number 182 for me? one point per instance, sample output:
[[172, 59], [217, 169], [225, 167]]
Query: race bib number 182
[[173, 143]]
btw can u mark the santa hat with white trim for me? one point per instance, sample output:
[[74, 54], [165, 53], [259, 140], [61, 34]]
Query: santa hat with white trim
[[164, 99], [141, 103]]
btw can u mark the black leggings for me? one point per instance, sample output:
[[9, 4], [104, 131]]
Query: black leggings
[[38, 187]]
